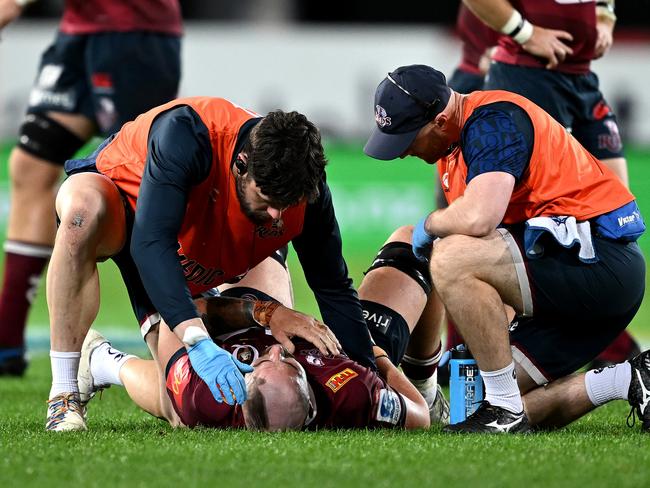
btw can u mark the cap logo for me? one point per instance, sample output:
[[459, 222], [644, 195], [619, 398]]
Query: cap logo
[[381, 117]]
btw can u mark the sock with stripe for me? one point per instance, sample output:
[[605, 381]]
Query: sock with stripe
[[24, 264]]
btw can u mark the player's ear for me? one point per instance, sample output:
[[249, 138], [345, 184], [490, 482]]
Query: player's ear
[[441, 120], [241, 163], [311, 415]]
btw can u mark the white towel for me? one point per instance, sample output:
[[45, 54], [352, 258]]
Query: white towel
[[566, 230]]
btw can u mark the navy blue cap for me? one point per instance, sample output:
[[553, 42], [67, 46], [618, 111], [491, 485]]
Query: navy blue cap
[[405, 101]]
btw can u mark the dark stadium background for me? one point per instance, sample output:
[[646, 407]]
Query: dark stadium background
[[633, 15]]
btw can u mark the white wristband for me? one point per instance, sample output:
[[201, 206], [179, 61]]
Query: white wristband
[[525, 33], [194, 334], [512, 23], [22, 3]]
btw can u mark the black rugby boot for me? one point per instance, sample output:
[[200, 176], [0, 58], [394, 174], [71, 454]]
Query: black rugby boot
[[489, 419], [639, 393], [12, 361]]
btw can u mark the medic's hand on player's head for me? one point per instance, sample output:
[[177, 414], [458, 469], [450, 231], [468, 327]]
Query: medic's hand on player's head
[[220, 371], [286, 323], [422, 240]]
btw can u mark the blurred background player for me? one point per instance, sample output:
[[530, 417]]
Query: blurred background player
[[545, 55], [109, 62]]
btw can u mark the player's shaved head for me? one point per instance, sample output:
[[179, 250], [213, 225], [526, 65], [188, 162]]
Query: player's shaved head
[[278, 394]]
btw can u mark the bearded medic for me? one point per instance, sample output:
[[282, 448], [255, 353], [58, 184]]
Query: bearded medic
[[190, 195], [535, 223]]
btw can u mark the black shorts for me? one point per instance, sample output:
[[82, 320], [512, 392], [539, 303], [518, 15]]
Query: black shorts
[[465, 82], [111, 78], [573, 310], [575, 101]]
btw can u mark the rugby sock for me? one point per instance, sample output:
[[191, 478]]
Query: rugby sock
[[423, 374], [105, 364], [421, 369], [501, 388], [24, 264], [606, 384], [65, 366], [428, 388]]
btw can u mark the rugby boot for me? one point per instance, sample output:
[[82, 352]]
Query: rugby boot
[[87, 387], [439, 409], [12, 361], [65, 413], [639, 393], [489, 419]]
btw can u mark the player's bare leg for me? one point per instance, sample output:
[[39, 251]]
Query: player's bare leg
[[269, 277], [103, 366], [30, 233], [403, 295], [556, 404], [476, 278], [92, 227], [393, 288]]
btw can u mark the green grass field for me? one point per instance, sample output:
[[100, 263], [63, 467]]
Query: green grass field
[[126, 447]]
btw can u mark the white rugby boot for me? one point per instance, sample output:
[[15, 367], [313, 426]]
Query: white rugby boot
[[65, 413], [87, 387]]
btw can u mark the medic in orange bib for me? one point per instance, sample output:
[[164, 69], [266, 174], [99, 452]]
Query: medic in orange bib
[[190, 195], [535, 223]]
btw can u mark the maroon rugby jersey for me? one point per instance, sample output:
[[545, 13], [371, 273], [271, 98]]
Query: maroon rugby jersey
[[578, 17], [92, 16], [476, 37], [348, 395]]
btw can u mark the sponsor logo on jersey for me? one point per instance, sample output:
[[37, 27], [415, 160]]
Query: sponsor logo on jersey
[[245, 353], [381, 117], [198, 274], [313, 357], [275, 229], [389, 408], [181, 372], [339, 380]]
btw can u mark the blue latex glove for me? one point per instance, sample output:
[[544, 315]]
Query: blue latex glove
[[422, 241], [220, 371]]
